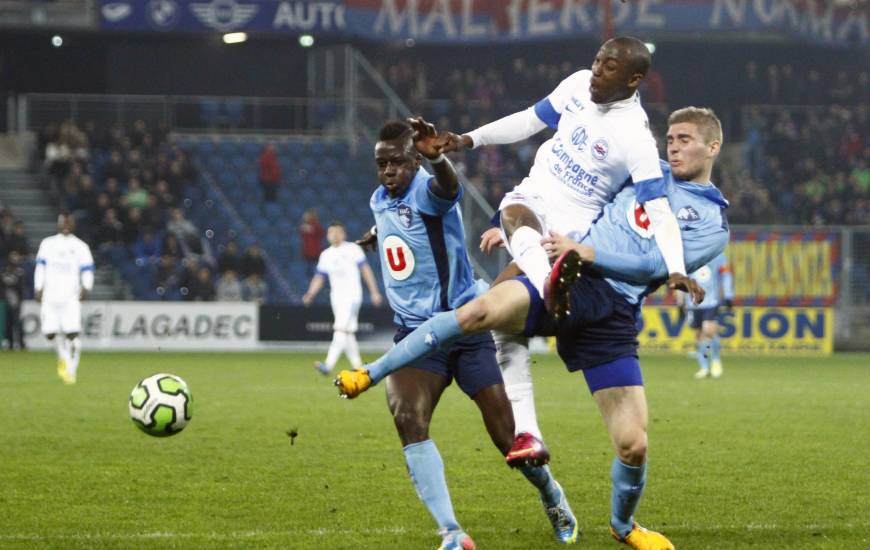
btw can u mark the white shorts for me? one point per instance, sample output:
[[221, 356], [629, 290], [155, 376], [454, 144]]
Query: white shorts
[[346, 313], [61, 317], [554, 211]]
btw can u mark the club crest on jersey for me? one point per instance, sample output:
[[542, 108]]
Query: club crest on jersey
[[688, 214], [398, 257], [703, 274], [579, 137], [405, 215], [600, 149]]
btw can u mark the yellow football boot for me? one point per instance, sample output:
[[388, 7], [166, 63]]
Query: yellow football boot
[[643, 539], [351, 383], [61, 369], [716, 368]]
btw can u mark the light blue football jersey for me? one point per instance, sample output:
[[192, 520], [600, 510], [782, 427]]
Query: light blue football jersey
[[715, 278], [424, 262], [625, 249]]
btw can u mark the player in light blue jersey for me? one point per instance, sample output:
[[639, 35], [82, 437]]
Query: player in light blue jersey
[[426, 271], [715, 278], [598, 334]]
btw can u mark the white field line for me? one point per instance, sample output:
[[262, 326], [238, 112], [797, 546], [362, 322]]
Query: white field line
[[329, 532]]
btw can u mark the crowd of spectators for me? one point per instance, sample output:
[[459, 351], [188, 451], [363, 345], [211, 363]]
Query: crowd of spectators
[[125, 187]]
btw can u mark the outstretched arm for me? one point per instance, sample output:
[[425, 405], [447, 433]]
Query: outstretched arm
[[429, 144], [510, 129]]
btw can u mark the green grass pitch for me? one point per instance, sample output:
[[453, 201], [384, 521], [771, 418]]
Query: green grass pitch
[[773, 455]]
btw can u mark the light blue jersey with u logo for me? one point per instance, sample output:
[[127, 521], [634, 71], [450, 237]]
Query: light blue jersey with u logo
[[421, 241]]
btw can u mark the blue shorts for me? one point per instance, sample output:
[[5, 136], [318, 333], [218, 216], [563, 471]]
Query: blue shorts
[[470, 361], [602, 326], [698, 316]]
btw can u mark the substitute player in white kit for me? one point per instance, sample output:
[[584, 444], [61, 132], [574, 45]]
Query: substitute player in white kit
[[64, 275], [343, 262]]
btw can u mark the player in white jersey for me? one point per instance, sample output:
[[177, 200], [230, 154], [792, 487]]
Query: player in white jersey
[[343, 263], [602, 140], [63, 277]]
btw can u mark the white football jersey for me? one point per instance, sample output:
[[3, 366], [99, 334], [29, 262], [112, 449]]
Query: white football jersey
[[61, 262], [342, 265], [595, 149]]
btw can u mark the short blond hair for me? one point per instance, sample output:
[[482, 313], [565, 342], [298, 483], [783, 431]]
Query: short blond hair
[[704, 118]]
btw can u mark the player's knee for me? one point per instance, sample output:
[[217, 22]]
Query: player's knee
[[632, 448], [412, 426], [473, 316], [516, 216]]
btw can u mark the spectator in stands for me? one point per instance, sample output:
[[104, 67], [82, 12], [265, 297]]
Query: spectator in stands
[[228, 288], [311, 232], [115, 167], [171, 247], [165, 198], [7, 225], [168, 276], [253, 263], [17, 241], [230, 259], [270, 172], [146, 250], [132, 226], [181, 227], [111, 231], [12, 279], [87, 195], [137, 196], [201, 288], [113, 189], [154, 215], [255, 289]]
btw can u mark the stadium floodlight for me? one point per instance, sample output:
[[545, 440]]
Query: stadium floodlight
[[57, 41], [651, 47], [306, 40], [235, 37]]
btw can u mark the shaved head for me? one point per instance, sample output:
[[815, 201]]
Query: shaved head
[[635, 53]]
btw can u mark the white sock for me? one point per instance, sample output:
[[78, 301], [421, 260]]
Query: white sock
[[530, 256], [60, 345], [351, 349], [335, 348], [514, 359], [75, 353]]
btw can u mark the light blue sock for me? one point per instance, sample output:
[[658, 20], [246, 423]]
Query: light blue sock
[[541, 478], [436, 333], [427, 473], [715, 348], [628, 483], [703, 361]]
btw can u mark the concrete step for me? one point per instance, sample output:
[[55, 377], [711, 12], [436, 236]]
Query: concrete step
[[35, 213], [22, 195]]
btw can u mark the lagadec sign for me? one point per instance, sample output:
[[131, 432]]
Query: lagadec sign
[[153, 325]]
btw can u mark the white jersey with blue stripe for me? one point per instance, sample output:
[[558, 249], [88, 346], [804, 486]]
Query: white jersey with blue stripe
[[424, 262], [342, 264], [61, 262], [715, 279], [595, 150], [626, 251]]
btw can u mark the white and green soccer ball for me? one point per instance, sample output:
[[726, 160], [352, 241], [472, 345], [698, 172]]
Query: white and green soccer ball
[[161, 405]]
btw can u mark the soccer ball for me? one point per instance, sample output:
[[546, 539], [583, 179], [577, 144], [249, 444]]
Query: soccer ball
[[160, 405]]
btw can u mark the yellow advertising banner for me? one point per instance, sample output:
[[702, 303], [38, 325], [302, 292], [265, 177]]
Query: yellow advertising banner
[[758, 330]]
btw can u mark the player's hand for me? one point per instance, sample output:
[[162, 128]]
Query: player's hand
[[426, 139], [449, 142], [38, 296], [555, 245], [83, 295], [307, 299], [368, 241], [491, 239], [678, 281], [377, 300]]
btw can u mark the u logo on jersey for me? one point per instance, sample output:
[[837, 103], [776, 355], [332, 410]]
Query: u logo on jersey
[[638, 220], [399, 257]]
